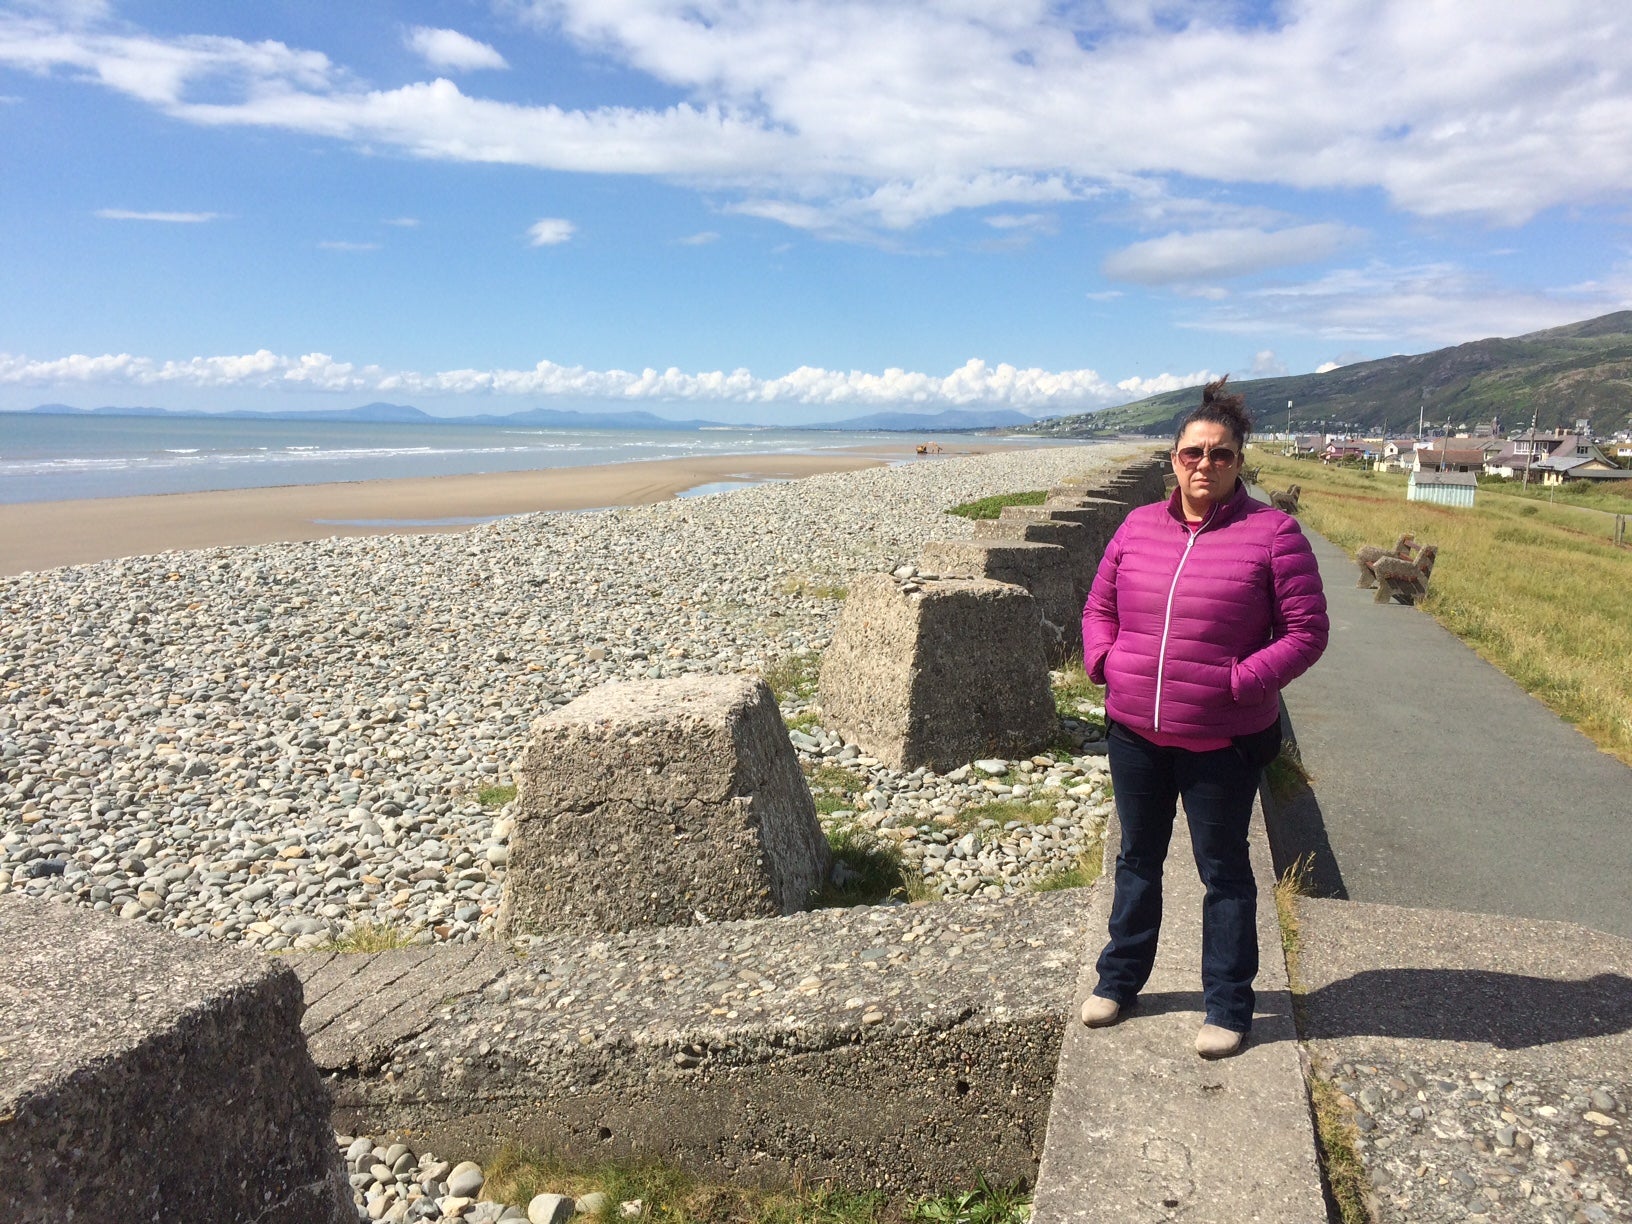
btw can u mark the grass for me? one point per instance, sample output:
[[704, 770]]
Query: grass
[[812, 588], [835, 788], [794, 675], [1032, 812], [673, 1196], [371, 937], [870, 867], [495, 796], [1538, 589], [806, 721], [1088, 868], [1286, 774], [1340, 1164], [992, 507]]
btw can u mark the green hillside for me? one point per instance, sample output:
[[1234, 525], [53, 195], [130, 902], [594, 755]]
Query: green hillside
[[1579, 370]]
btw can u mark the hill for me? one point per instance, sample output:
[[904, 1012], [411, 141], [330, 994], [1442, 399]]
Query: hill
[[1578, 370]]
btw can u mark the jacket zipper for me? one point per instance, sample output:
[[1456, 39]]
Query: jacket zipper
[[1167, 616]]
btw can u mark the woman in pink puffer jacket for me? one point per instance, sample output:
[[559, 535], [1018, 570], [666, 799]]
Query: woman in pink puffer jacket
[[1203, 608]]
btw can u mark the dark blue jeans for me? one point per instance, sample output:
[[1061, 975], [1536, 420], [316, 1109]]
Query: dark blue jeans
[[1217, 789]]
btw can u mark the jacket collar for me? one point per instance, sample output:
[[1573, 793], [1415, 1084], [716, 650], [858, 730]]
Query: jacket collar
[[1221, 513]]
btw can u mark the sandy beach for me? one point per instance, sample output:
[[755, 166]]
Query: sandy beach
[[43, 535]]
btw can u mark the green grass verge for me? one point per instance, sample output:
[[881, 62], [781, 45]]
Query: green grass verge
[[672, 1196], [991, 507], [870, 867], [1089, 867]]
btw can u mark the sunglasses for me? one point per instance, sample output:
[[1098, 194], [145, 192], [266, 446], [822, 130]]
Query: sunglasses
[[1191, 456]]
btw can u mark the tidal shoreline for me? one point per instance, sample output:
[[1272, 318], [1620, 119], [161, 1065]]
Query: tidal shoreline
[[45, 535]]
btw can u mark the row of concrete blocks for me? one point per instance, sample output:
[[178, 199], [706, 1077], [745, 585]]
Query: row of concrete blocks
[[147, 1077], [943, 669]]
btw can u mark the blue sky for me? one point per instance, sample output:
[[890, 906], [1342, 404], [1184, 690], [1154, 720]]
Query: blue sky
[[789, 210]]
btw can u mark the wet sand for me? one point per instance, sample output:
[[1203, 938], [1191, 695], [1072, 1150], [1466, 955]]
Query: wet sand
[[43, 535]]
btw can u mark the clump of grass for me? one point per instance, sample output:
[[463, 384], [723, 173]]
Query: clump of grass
[[1076, 696], [985, 1204], [1340, 1164], [1089, 867], [835, 788], [812, 587], [1294, 883], [794, 676], [1286, 775], [867, 869], [495, 796], [992, 507], [806, 721], [671, 1195], [371, 937], [1031, 812]]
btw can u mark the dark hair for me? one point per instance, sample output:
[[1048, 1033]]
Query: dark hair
[[1221, 408]]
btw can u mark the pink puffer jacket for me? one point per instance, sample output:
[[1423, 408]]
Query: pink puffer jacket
[[1194, 634]]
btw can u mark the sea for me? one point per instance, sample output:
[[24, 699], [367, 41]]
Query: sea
[[54, 458]]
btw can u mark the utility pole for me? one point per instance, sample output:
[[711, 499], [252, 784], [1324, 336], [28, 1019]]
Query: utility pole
[[1529, 449]]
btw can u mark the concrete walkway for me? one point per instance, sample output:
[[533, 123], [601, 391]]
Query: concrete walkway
[[1140, 1128], [1439, 783]]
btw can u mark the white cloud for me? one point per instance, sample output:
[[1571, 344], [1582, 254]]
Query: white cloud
[[550, 231], [1210, 254], [174, 218], [404, 222], [1104, 295], [973, 383], [1266, 365], [703, 238], [348, 246], [843, 116], [1430, 305], [451, 49], [1326, 367]]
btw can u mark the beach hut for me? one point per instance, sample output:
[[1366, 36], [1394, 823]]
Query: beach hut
[[1442, 488]]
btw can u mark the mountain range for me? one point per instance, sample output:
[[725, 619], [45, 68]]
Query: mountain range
[[951, 421], [1560, 375]]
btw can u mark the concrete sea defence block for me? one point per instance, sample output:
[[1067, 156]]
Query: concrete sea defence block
[[1083, 549], [939, 672], [904, 1047], [148, 1077], [651, 803], [1099, 517], [1044, 570]]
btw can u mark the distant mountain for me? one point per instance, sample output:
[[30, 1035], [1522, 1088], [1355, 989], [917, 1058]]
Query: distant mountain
[[950, 421], [1578, 370]]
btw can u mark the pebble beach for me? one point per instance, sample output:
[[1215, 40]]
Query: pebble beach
[[277, 745]]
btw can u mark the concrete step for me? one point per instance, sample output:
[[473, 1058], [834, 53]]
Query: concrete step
[[1140, 1128]]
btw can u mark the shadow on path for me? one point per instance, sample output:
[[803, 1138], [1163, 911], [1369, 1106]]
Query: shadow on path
[[1511, 1011]]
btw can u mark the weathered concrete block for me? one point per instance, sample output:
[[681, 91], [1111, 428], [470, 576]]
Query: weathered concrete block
[[1099, 517], [1042, 569], [648, 804], [148, 1077], [938, 673], [760, 1052], [1083, 549]]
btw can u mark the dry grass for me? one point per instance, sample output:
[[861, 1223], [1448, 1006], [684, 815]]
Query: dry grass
[[1538, 590]]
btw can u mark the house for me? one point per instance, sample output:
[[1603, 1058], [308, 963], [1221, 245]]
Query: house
[[1555, 471], [1338, 452], [1466, 456], [1442, 488], [1306, 444]]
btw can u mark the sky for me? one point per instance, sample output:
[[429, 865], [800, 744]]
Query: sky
[[788, 211]]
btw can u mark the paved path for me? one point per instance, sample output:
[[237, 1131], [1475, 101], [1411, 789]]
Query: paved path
[[1439, 783], [1142, 1130]]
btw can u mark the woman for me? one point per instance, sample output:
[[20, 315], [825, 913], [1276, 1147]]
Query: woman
[[1204, 606]]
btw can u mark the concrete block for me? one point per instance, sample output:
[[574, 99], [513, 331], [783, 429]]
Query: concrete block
[[1099, 517], [1083, 549], [148, 1077], [1045, 570], [904, 1047], [938, 673], [649, 804]]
